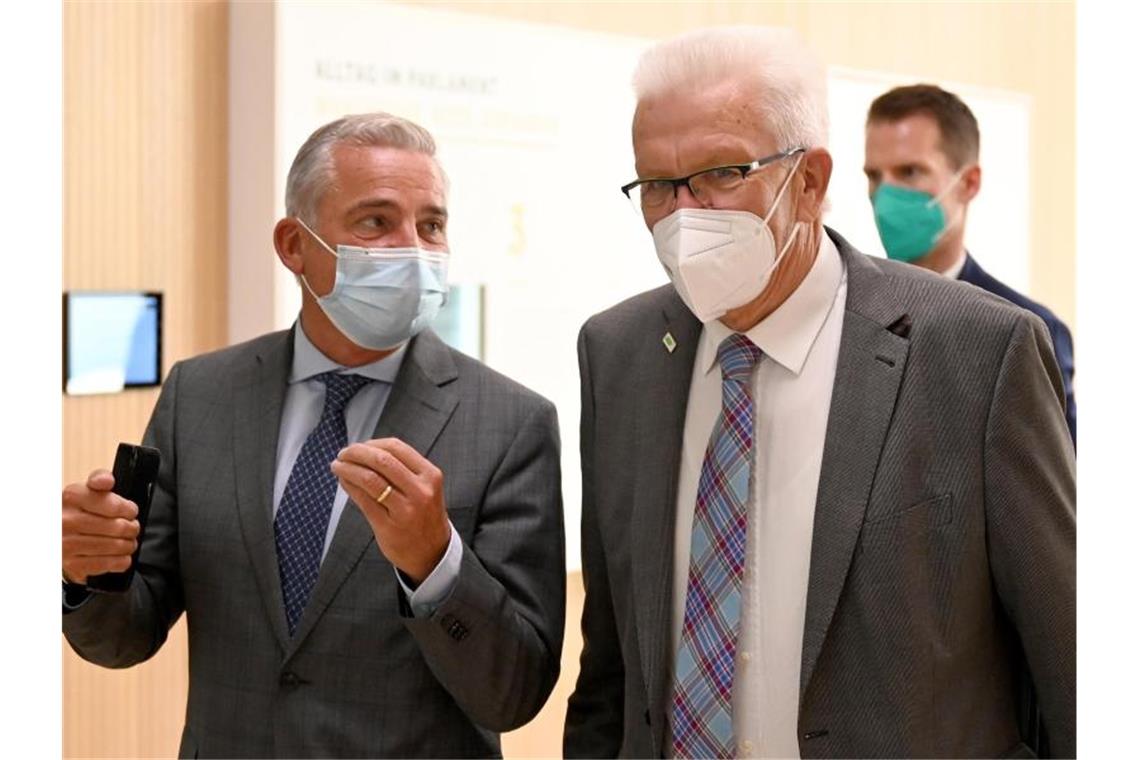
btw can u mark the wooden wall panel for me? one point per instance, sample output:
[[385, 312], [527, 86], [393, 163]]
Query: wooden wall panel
[[144, 208]]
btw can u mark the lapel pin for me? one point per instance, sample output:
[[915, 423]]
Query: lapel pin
[[670, 343]]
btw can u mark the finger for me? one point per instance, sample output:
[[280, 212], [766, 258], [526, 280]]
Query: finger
[[100, 480], [395, 504], [382, 462], [78, 522], [84, 567], [97, 546], [408, 456], [367, 504], [80, 496], [368, 481], [429, 476]]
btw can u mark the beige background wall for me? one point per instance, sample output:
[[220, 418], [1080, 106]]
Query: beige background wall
[[145, 203], [1024, 46]]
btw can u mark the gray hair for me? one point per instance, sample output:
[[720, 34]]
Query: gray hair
[[312, 169], [789, 81]]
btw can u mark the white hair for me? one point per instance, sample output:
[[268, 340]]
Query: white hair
[[789, 81], [312, 169]]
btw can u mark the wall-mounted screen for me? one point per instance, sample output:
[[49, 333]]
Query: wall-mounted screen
[[111, 341]]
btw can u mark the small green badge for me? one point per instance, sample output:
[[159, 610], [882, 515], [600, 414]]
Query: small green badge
[[670, 344]]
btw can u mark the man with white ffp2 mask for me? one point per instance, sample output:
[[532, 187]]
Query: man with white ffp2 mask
[[718, 259], [809, 527], [362, 525]]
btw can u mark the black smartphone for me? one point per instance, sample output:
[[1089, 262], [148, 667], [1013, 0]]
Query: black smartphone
[[135, 472]]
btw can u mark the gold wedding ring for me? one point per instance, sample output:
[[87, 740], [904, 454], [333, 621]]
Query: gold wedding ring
[[380, 499]]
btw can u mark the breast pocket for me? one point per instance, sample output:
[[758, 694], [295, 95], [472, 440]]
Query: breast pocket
[[902, 576], [910, 523]]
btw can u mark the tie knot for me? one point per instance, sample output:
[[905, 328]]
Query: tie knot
[[737, 356], [340, 388]]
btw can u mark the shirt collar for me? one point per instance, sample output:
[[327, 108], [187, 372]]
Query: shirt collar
[[956, 268], [308, 361], [788, 333]]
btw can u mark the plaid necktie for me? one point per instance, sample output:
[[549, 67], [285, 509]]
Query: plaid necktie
[[706, 657], [303, 515]]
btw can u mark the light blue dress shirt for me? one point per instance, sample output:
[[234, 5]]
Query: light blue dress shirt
[[304, 400]]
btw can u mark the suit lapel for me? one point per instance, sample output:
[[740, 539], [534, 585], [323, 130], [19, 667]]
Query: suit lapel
[[971, 272], [419, 405], [258, 401], [867, 379], [663, 388]]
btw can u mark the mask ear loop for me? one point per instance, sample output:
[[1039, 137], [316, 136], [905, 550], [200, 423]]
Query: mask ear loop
[[783, 187], [938, 198], [317, 237], [780, 197], [305, 280], [953, 181]]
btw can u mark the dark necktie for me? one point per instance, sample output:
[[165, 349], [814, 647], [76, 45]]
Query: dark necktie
[[303, 515]]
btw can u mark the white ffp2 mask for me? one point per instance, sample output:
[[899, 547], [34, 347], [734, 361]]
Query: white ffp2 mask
[[719, 259]]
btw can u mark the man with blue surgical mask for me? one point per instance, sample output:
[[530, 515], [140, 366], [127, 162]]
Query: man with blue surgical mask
[[362, 525], [809, 524], [922, 170]]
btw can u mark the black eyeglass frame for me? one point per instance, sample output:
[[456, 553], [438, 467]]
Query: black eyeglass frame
[[744, 170]]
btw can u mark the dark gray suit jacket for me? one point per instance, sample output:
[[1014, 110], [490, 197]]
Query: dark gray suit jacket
[[360, 677], [943, 552]]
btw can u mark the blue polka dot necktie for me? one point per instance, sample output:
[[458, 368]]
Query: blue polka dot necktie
[[303, 515], [706, 656]]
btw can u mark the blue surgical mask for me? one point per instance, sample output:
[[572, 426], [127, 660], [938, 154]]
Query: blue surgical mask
[[382, 297]]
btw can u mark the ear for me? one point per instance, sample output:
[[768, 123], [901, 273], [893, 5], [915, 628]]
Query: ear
[[287, 240], [971, 183], [816, 177]]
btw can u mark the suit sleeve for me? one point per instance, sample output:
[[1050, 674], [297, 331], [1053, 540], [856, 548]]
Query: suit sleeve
[[1031, 522], [595, 715], [1063, 348], [120, 630], [495, 642]]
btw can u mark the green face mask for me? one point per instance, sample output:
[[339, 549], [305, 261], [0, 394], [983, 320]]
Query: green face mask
[[910, 222]]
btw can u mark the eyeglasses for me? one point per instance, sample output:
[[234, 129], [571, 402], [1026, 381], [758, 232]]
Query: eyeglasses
[[710, 186]]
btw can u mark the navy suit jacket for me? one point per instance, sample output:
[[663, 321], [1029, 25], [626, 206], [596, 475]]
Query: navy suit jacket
[[1062, 338]]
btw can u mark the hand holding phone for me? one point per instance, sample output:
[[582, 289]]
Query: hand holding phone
[[104, 520]]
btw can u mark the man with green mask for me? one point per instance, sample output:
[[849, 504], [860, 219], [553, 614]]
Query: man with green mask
[[922, 168]]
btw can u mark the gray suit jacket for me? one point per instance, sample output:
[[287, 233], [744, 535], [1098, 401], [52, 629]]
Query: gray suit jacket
[[943, 553], [360, 677]]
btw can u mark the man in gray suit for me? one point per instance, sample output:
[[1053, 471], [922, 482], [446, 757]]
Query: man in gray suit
[[421, 618], [828, 500]]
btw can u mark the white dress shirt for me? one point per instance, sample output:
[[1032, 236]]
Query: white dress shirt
[[791, 391], [304, 401]]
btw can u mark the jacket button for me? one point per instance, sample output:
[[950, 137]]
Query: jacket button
[[290, 679], [455, 629]]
